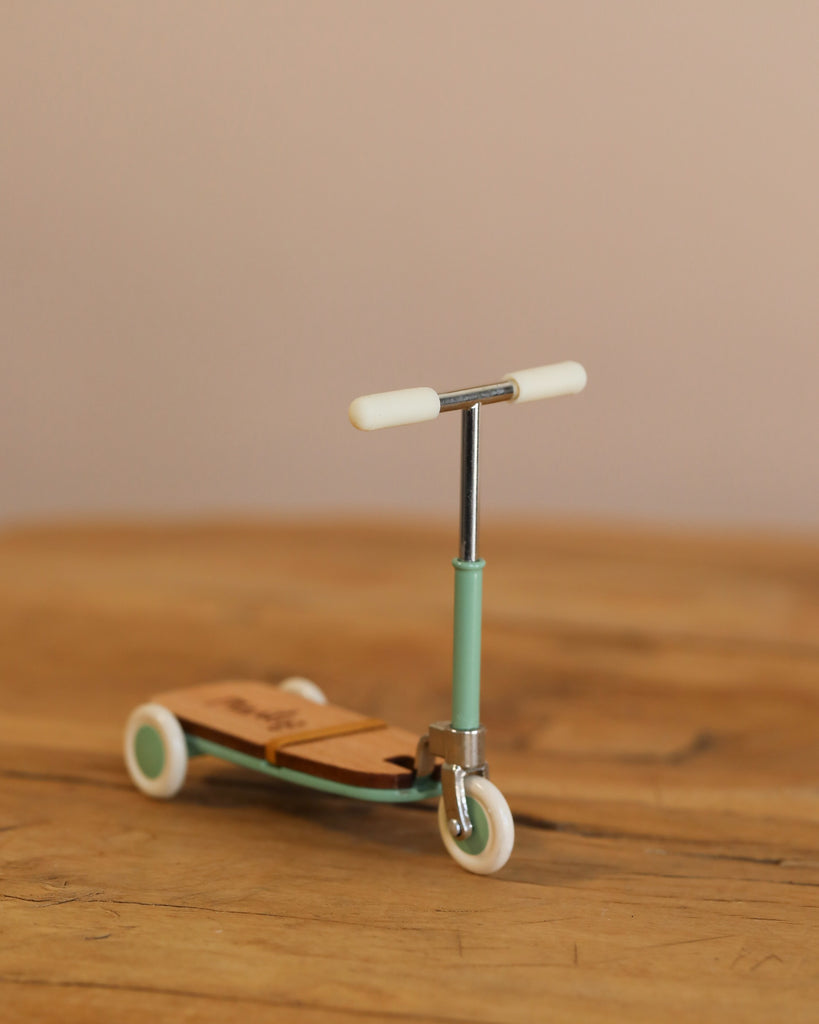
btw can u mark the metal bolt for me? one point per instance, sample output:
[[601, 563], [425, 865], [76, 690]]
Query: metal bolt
[[454, 827]]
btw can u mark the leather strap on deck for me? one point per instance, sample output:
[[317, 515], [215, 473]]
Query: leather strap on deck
[[308, 735]]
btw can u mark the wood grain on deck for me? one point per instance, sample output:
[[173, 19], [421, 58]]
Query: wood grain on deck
[[652, 703]]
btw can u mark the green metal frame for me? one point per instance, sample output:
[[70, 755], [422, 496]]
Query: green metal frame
[[423, 789], [466, 647]]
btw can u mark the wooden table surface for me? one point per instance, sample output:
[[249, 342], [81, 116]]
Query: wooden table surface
[[652, 703]]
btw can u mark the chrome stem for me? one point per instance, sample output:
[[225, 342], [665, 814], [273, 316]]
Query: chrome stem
[[470, 423], [486, 394]]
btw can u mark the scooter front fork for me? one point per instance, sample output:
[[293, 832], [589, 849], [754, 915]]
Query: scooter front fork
[[463, 753]]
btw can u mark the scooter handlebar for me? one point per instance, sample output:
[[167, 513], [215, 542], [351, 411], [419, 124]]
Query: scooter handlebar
[[547, 381], [414, 405], [394, 408]]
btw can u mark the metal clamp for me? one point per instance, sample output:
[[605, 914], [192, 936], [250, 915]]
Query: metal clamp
[[463, 754]]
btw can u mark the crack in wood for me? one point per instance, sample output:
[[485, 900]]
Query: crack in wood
[[591, 832], [96, 899], [765, 959], [356, 1013], [80, 780], [661, 945]]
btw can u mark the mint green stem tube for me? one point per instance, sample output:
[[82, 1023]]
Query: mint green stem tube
[[466, 649]]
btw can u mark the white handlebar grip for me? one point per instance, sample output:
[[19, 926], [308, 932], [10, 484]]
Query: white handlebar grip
[[393, 408], [548, 381]]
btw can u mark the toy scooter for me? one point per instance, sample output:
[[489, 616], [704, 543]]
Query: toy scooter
[[290, 732]]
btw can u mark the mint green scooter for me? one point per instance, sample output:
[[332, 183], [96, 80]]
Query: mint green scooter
[[291, 732]]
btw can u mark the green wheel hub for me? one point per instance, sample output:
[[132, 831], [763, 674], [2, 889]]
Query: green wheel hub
[[480, 829], [150, 751]]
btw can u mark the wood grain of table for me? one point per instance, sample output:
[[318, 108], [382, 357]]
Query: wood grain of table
[[652, 701]]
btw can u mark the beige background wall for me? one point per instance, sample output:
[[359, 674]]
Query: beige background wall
[[221, 221]]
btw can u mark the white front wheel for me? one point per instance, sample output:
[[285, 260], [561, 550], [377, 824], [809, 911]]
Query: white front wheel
[[156, 752], [493, 829], [303, 688]]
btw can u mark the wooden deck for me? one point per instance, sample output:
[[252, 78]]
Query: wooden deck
[[652, 702], [324, 740]]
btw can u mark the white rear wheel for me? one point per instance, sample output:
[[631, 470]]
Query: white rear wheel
[[156, 752], [303, 688], [493, 829]]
